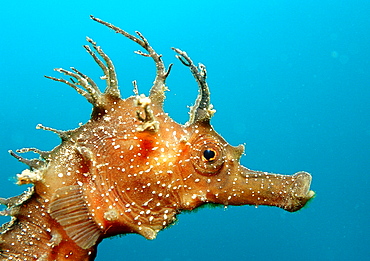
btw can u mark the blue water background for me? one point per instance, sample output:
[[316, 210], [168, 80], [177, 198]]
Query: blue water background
[[288, 78]]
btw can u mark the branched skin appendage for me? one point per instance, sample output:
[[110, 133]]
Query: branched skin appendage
[[146, 116], [130, 169]]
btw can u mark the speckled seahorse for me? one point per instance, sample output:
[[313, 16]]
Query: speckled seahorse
[[131, 169]]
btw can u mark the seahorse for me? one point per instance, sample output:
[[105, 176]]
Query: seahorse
[[131, 168]]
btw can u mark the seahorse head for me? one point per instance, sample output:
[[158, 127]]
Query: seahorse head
[[132, 169]]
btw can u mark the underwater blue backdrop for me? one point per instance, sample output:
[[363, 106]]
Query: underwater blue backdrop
[[288, 78]]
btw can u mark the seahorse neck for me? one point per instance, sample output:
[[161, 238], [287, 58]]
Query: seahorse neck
[[32, 234]]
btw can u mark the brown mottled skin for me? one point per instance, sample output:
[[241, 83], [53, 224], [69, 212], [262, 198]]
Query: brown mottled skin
[[131, 169]]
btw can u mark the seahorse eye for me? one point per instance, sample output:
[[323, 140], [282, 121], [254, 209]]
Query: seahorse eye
[[209, 154]]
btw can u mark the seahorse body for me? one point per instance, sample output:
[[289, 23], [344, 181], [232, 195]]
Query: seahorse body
[[131, 169]]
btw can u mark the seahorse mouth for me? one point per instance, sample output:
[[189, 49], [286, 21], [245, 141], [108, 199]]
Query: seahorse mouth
[[289, 192]]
